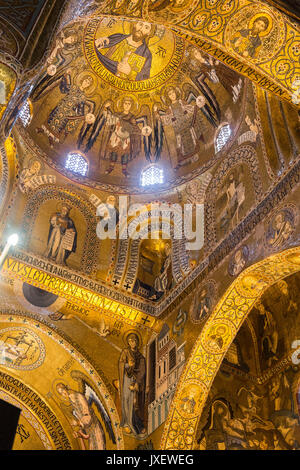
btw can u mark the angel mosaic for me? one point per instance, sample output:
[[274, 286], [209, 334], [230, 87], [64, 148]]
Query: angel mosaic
[[67, 48], [27, 174], [72, 110], [86, 413], [164, 281], [207, 69], [183, 118], [119, 134]]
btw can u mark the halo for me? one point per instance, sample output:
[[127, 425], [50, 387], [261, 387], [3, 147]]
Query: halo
[[259, 15], [84, 74], [130, 332], [156, 41], [32, 160], [218, 402], [69, 31], [131, 97], [164, 93], [60, 204], [55, 392], [282, 213], [157, 38], [127, 26]]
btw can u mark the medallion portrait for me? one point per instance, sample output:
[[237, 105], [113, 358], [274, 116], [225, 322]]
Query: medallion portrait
[[21, 348], [255, 33]]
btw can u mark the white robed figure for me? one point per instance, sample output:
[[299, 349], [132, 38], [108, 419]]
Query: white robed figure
[[62, 237]]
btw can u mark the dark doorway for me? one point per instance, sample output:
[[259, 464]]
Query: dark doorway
[[9, 417]]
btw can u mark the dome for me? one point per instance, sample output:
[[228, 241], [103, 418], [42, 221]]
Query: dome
[[130, 94]]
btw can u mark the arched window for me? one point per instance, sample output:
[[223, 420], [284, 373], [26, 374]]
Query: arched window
[[25, 114], [222, 137], [76, 163], [152, 175]]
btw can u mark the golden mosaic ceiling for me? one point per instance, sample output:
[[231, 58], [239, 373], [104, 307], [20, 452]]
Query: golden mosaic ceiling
[[127, 95]]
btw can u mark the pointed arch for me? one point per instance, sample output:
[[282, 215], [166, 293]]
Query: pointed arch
[[214, 341]]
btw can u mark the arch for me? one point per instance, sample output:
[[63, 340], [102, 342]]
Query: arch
[[128, 251], [92, 243], [214, 342], [38, 397]]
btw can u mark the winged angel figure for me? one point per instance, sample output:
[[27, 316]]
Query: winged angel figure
[[85, 413], [122, 135]]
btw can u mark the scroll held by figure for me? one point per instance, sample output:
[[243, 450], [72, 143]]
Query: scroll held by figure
[[62, 237]]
